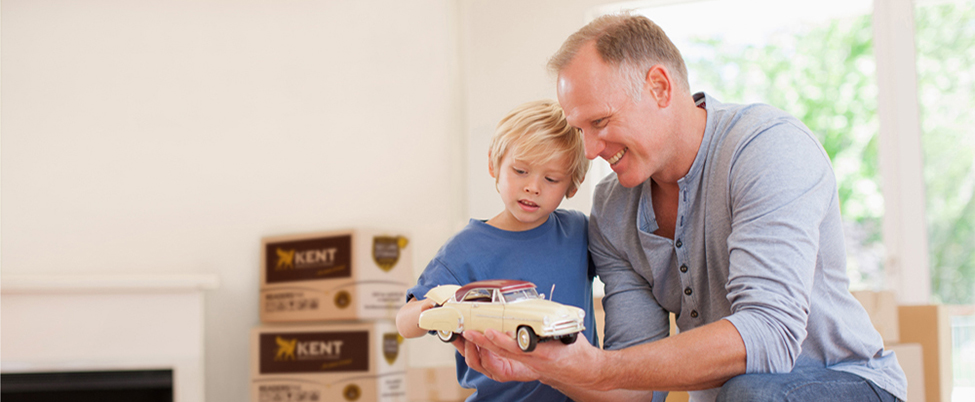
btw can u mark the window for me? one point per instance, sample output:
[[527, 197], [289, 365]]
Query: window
[[945, 45], [815, 61], [945, 41]]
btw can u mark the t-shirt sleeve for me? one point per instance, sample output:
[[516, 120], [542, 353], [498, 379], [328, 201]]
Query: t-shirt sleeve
[[435, 274], [781, 188]]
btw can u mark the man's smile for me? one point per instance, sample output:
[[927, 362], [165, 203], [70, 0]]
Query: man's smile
[[617, 157]]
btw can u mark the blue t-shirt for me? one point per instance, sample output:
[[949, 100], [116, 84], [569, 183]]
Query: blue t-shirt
[[555, 253]]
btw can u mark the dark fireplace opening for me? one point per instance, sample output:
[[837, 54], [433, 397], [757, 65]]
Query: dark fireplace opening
[[85, 386]]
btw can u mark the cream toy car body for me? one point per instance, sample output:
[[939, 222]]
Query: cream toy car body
[[505, 305]]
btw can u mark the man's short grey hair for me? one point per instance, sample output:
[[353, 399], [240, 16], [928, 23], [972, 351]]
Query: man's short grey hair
[[632, 43]]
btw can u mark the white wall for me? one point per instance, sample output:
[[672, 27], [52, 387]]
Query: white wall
[[506, 45], [170, 136]]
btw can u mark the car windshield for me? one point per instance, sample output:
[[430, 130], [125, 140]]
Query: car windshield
[[518, 295]]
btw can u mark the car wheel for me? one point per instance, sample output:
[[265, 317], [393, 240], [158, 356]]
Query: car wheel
[[446, 336], [569, 339], [527, 340]]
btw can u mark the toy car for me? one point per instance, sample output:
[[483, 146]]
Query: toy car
[[505, 305]]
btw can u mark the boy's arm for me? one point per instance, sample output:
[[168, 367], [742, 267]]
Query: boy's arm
[[408, 318]]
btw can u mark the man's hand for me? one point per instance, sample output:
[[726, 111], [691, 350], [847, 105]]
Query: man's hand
[[490, 364], [497, 355]]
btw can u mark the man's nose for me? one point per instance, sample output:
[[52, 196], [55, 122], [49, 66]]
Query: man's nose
[[594, 145]]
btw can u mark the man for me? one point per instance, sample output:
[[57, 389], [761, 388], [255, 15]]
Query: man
[[725, 215]]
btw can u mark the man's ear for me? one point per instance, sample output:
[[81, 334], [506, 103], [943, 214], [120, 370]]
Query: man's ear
[[659, 85]]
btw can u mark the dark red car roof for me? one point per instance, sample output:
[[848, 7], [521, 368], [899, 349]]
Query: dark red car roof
[[506, 285]]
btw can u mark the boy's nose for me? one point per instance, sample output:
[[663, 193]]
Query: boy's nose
[[531, 187]]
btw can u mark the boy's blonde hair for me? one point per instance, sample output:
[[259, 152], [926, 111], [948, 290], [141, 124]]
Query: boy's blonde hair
[[538, 132]]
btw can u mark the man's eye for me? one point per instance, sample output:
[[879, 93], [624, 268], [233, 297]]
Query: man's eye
[[599, 123]]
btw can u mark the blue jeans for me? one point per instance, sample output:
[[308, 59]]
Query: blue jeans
[[803, 384]]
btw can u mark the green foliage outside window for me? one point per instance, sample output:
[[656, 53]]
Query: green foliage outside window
[[945, 41], [825, 76]]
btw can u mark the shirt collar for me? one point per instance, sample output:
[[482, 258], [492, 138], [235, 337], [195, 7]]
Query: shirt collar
[[705, 102]]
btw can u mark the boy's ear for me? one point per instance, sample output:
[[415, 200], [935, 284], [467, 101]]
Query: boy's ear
[[490, 165], [571, 193]]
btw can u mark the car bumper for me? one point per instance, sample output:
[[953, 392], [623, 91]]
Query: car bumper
[[565, 327]]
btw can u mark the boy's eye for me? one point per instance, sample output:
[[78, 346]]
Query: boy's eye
[[551, 180], [519, 171]]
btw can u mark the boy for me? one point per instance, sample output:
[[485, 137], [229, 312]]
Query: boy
[[536, 159]]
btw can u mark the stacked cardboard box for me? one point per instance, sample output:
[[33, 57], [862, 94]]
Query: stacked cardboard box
[[435, 384], [930, 327], [920, 338], [327, 304]]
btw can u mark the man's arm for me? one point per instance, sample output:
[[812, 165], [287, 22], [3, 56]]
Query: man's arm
[[782, 188], [702, 358], [633, 315], [504, 369]]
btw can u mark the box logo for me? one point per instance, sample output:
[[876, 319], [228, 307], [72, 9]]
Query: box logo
[[391, 342], [386, 250], [286, 348], [309, 259], [314, 352], [343, 299], [351, 392], [286, 259]]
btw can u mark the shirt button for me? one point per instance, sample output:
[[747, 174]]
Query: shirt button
[[679, 243], [687, 291], [694, 314], [683, 268]]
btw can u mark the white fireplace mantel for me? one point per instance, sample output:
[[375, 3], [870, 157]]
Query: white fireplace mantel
[[55, 323]]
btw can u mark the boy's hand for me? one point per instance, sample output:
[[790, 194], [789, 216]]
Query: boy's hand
[[407, 319], [427, 304]]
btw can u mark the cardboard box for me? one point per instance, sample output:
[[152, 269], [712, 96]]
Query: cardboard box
[[882, 309], [334, 276], [353, 361], [435, 384], [600, 316], [930, 326], [911, 358]]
